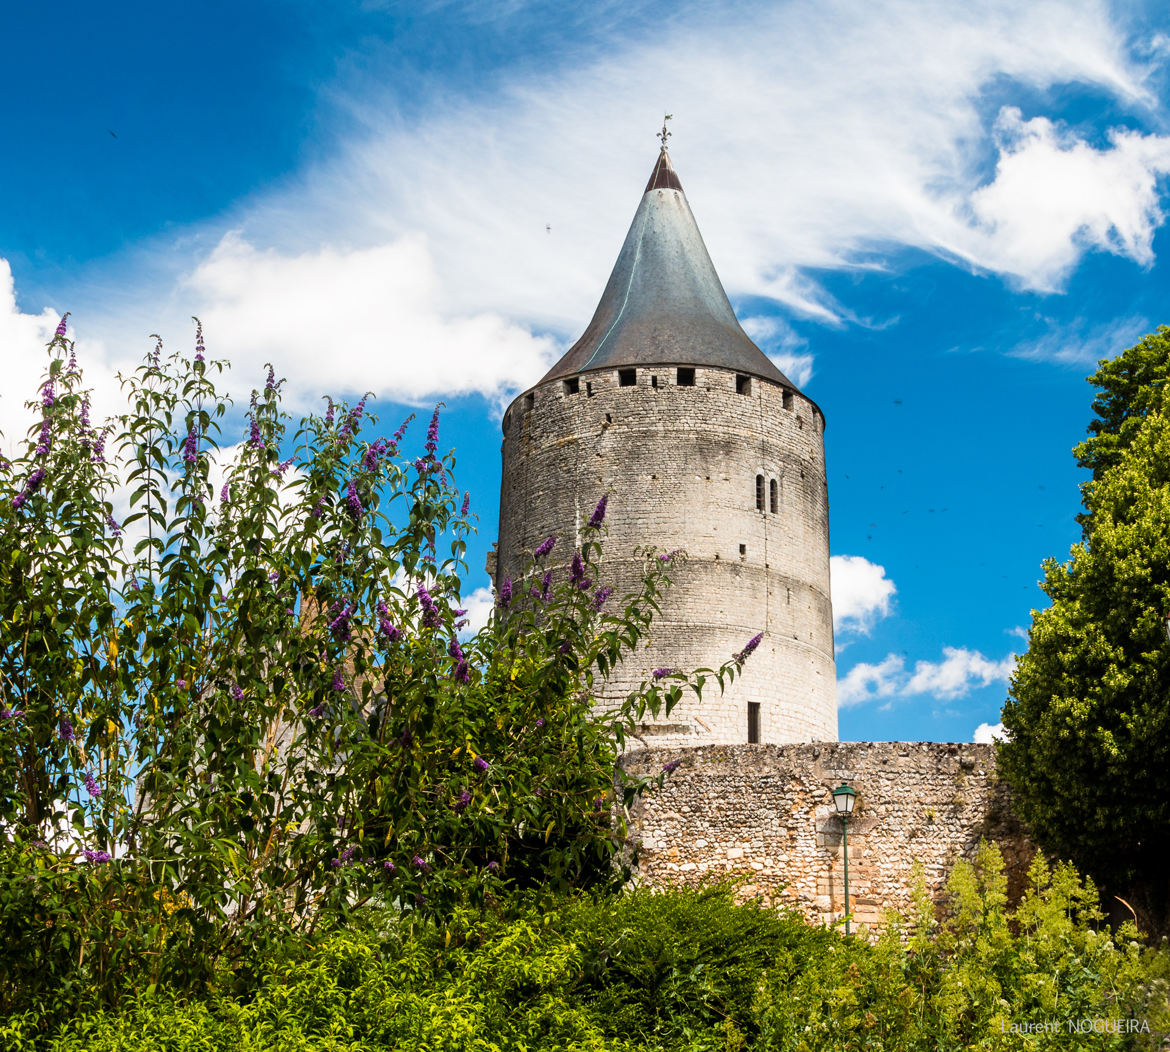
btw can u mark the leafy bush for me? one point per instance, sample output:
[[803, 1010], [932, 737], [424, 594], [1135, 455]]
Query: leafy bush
[[681, 970]]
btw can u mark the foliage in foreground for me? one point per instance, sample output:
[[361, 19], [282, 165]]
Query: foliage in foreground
[[687, 971], [1089, 718], [248, 708]]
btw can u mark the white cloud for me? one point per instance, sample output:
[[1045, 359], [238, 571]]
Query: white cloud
[[1054, 196], [368, 319], [956, 675], [958, 672], [986, 733], [22, 345], [479, 605], [866, 682], [861, 593]]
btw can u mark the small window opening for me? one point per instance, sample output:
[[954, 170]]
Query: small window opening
[[742, 550], [753, 722], [529, 401], [654, 382], [627, 377], [743, 384], [686, 378], [588, 389], [572, 386], [774, 496], [759, 493], [787, 399]]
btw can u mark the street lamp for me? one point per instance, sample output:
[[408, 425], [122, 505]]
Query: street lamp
[[844, 797]]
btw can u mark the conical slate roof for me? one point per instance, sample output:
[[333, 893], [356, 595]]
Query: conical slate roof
[[664, 303]]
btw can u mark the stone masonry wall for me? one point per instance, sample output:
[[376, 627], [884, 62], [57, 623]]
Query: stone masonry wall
[[680, 464], [765, 812]]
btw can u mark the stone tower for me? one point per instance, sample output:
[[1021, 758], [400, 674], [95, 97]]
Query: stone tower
[[703, 444]]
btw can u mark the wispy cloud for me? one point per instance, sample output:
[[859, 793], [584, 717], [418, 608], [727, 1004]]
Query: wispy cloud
[[433, 253], [1084, 345]]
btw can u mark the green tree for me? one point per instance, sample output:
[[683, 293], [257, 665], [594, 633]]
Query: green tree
[[1089, 711]]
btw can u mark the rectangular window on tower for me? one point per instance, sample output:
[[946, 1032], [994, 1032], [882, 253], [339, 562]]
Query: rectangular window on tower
[[753, 722], [627, 377]]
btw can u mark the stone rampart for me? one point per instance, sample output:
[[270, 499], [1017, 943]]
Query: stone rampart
[[764, 812]]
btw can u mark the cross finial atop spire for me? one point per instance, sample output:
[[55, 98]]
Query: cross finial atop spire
[[664, 134]]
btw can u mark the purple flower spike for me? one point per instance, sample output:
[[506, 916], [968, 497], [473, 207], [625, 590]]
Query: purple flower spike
[[419, 864], [505, 593], [540, 722], [65, 729], [30, 487], [353, 502], [338, 680], [481, 764], [545, 548], [388, 866], [270, 381], [190, 446], [61, 326], [199, 348], [433, 433], [91, 785], [85, 412], [466, 505], [237, 693], [46, 439], [600, 597], [662, 673], [671, 766], [97, 857], [225, 493], [598, 516], [493, 865], [464, 799], [751, 645], [47, 395], [430, 618], [112, 523]]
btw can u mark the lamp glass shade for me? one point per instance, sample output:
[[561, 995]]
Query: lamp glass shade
[[844, 797]]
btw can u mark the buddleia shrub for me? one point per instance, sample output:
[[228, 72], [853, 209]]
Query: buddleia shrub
[[249, 707]]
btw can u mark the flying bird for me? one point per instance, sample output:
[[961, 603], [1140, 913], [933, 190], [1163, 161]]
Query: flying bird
[[111, 133]]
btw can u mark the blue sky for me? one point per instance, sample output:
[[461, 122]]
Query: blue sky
[[936, 218]]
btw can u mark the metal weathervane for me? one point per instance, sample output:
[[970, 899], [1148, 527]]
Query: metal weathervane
[[664, 134]]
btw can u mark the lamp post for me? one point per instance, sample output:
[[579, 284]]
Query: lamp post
[[844, 797]]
